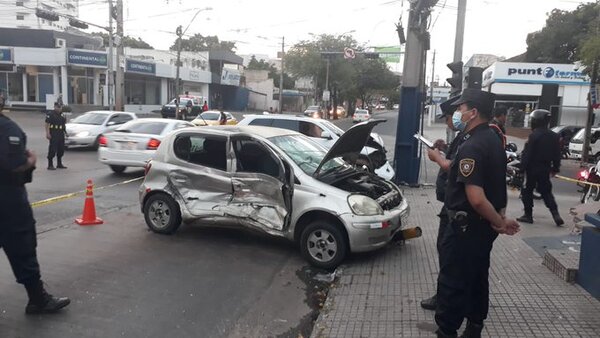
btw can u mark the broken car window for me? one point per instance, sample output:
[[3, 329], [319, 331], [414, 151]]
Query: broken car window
[[201, 150]]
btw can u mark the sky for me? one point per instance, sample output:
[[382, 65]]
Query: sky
[[498, 27]]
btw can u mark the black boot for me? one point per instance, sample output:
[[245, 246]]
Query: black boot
[[442, 334], [41, 301], [429, 303], [472, 330], [526, 218], [50, 165], [59, 163], [557, 219]]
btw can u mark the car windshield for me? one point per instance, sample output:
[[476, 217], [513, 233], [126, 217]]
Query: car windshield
[[557, 129], [361, 112], [90, 118], [306, 153], [143, 127], [579, 135], [312, 108], [210, 116]]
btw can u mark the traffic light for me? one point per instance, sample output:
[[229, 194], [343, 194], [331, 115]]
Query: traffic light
[[457, 77], [474, 77], [44, 14], [79, 24]]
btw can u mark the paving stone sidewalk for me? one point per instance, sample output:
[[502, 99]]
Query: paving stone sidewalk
[[378, 294]]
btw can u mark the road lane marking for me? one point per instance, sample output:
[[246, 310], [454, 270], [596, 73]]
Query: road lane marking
[[81, 192]]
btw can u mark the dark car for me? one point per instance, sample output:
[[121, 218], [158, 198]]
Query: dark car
[[566, 133], [168, 110]]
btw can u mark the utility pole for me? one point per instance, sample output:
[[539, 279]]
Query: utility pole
[[110, 73], [326, 113], [120, 79], [281, 77], [406, 155], [588, 126], [431, 103], [179, 33], [460, 30]]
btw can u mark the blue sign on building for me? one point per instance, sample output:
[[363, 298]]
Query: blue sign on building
[[6, 55], [85, 58], [134, 66]]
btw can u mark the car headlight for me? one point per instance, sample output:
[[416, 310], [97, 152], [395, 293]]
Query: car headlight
[[364, 206], [83, 134]]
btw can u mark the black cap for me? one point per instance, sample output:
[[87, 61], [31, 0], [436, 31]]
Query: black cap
[[448, 107], [483, 100]]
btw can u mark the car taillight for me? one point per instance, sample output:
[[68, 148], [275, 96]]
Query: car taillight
[[147, 167], [584, 174], [153, 144], [102, 141]]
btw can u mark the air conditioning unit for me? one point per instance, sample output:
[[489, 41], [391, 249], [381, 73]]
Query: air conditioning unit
[[60, 43]]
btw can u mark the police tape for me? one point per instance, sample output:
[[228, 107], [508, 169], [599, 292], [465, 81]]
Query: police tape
[[568, 179], [81, 192]]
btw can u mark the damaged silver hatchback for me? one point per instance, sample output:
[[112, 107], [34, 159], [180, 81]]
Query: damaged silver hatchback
[[275, 181]]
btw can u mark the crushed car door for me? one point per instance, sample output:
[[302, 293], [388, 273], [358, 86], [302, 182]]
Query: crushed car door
[[201, 179], [261, 186]]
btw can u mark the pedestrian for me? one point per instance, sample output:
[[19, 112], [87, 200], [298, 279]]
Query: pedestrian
[[17, 229], [204, 107], [188, 108], [441, 182], [222, 118], [498, 123], [476, 199], [540, 161], [55, 133]]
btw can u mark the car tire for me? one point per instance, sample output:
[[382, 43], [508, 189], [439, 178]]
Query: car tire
[[323, 245], [117, 169], [162, 214]]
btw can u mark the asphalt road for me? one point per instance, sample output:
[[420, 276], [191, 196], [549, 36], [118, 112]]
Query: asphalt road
[[126, 281]]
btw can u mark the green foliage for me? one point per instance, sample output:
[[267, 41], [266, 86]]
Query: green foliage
[[288, 81], [128, 41], [566, 33], [200, 43]]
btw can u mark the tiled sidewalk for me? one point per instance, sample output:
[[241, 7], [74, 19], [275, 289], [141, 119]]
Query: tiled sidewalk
[[378, 294]]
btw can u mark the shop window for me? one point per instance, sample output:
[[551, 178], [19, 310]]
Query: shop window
[[19, 4], [20, 17], [15, 86]]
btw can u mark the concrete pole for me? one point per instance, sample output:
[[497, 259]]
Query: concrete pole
[[326, 114], [281, 77], [177, 89], [64, 78], [110, 73], [120, 79], [460, 30], [585, 156]]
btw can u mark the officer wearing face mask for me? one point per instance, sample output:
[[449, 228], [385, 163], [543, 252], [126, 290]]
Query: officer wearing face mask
[[475, 198]]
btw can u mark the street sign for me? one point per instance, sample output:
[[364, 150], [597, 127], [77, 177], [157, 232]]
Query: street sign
[[349, 53], [326, 95]]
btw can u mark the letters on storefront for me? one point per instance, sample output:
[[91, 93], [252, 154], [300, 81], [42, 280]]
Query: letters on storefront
[[89, 59]]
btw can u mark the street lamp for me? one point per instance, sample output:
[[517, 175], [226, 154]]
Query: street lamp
[[180, 32]]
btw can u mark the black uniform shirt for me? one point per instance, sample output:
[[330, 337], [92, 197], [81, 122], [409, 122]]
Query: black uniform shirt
[[480, 161], [442, 178], [542, 151], [56, 123], [12, 146]]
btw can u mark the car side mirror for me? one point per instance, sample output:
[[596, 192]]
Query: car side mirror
[[326, 135]]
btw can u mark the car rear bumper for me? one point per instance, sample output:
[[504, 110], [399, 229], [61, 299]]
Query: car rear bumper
[[127, 158]]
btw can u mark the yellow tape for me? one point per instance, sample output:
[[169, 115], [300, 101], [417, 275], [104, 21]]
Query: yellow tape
[[568, 179], [81, 192]]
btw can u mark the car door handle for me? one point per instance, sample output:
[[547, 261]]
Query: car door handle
[[180, 179]]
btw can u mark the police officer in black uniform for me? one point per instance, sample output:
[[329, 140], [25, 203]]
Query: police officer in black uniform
[[475, 199], [441, 181], [540, 160], [55, 133], [17, 225]]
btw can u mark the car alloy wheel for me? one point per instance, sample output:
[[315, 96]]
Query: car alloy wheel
[[162, 214], [323, 245]]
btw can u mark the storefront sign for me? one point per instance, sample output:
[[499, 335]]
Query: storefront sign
[[134, 66], [230, 77], [510, 72], [194, 75], [85, 58], [6, 55]]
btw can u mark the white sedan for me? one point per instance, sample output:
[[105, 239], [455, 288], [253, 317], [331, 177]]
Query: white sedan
[[85, 130], [134, 143], [361, 115]]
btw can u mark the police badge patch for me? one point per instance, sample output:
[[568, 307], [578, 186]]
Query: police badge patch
[[466, 166]]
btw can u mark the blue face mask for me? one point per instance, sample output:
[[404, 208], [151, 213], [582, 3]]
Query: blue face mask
[[457, 121]]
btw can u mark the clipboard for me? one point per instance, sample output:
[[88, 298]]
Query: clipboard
[[424, 140]]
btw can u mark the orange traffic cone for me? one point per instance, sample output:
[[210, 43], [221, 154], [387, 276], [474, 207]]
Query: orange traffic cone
[[89, 208]]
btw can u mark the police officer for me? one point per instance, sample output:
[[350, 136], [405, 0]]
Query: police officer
[[475, 199], [17, 228], [441, 181], [540, 160], [55, 133]]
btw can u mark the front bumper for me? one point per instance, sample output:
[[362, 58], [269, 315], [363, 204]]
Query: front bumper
[[367, 233], [74, 141]]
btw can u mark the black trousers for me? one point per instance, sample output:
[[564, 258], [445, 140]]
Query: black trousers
[[56, 147], [20, 249], [443, 215], [540, 181], [463, 287]]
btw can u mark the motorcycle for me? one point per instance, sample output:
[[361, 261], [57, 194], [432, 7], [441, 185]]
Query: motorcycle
[[590, 175], [515, 176]]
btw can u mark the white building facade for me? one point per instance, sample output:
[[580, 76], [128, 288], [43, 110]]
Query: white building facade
[[21, 13]]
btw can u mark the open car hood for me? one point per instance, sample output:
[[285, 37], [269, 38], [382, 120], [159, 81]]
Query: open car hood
[[351, 142]]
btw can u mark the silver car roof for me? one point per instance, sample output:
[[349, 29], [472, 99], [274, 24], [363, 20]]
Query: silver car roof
[[265, 132]]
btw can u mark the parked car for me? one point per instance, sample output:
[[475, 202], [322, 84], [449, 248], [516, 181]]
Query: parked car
[[85, 129], [361, 115], [566, 133], [373, 155], [211, 118], [576, 145], [134, 143], [396, 106], [275, 181], [168, 110], [314, 112], [339, 113]]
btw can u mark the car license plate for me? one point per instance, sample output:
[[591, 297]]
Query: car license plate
[[127, 145]]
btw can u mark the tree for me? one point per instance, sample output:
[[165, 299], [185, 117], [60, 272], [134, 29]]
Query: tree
[[288, 81], [128, 41], [563, 37], [200, 43]]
